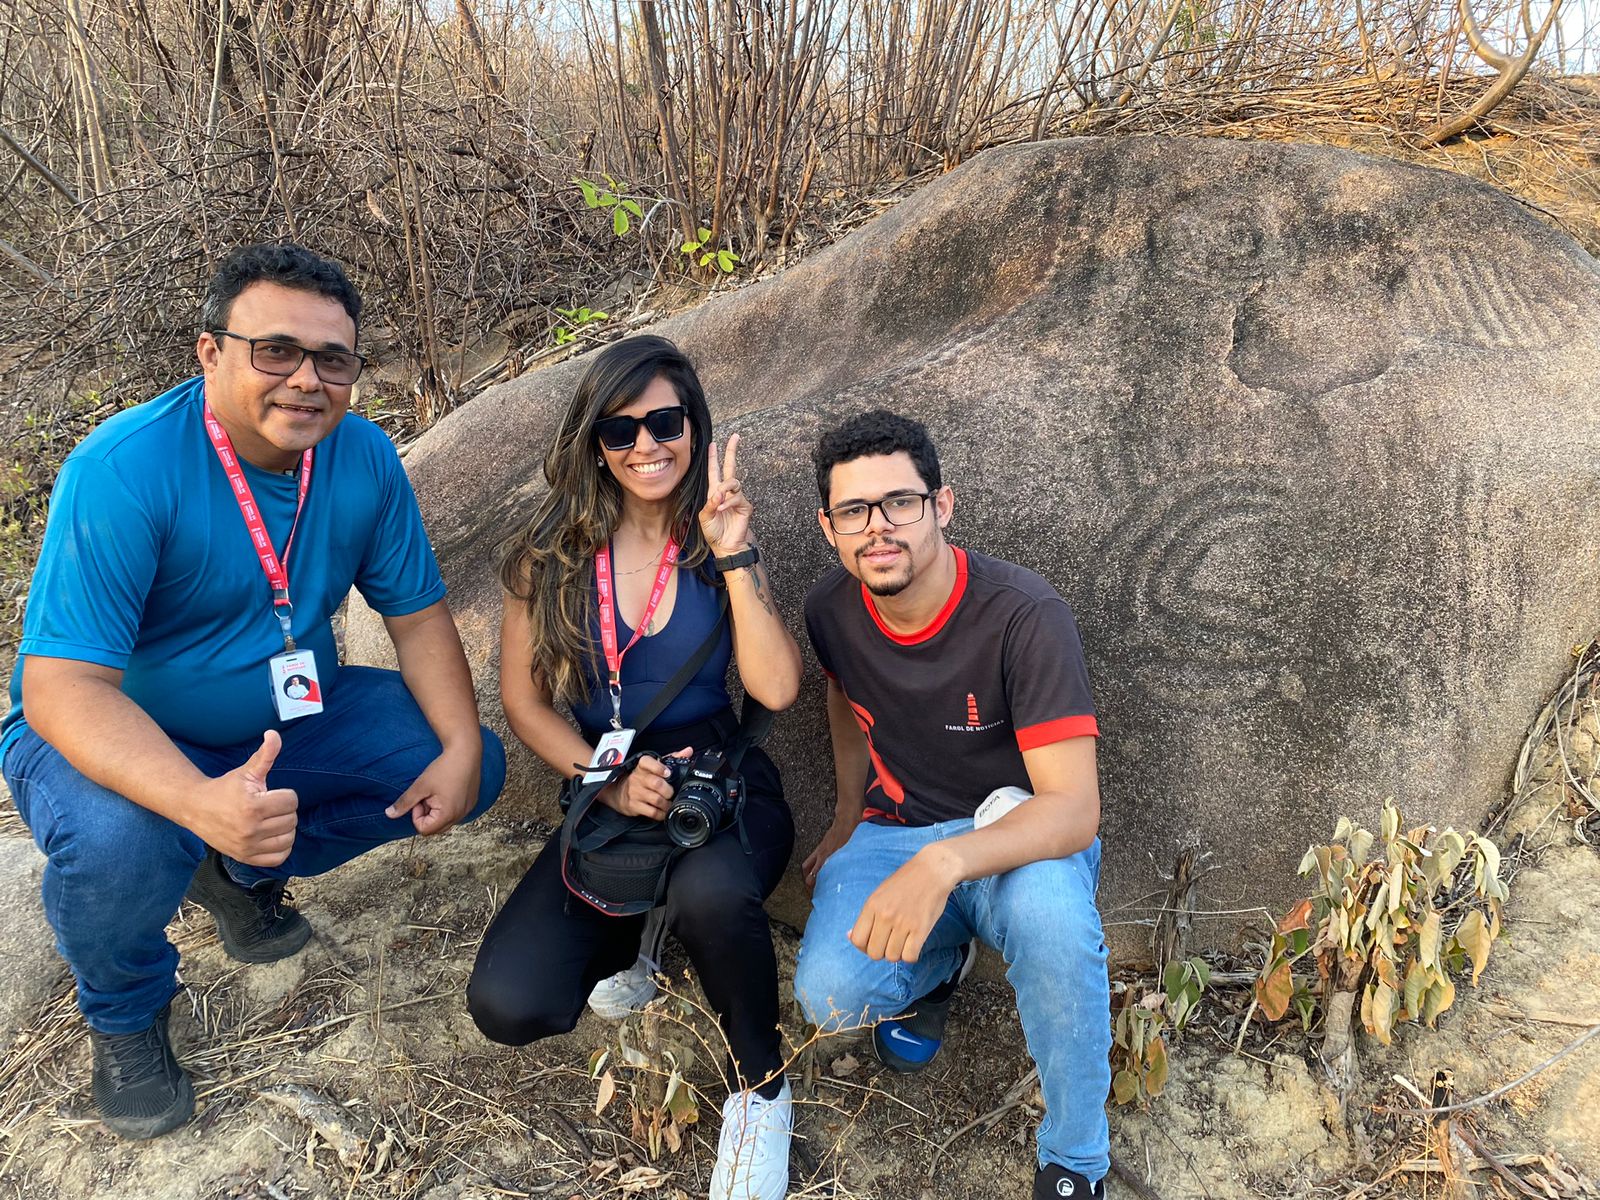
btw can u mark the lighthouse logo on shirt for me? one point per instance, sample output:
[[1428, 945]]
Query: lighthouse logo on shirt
[[974, 723]]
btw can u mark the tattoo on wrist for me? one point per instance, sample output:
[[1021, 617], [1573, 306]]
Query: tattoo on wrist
[[758, 581]]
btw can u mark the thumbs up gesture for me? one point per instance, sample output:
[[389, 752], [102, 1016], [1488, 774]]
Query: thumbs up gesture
[[245, 820]]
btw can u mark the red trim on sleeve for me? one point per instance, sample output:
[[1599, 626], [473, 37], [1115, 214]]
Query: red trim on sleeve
[[1059, 730], [938, 622]]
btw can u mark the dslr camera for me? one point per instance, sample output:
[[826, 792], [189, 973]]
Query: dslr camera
[[707, 796]]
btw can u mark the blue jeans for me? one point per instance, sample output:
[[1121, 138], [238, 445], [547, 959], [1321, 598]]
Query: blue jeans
[[1043, 921], [116, 872]]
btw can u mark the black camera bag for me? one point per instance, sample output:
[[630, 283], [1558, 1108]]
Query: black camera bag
[[619, 865]]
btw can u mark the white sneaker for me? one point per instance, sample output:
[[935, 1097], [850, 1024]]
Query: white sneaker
[[753, 1151], [629, 991]]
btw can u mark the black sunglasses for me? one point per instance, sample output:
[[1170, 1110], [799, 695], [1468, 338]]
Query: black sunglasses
[[619, 433]]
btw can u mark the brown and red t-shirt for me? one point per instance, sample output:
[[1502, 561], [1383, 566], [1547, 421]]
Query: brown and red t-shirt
[[949, 710]]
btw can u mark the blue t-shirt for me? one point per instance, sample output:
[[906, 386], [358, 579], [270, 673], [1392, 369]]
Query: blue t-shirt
[[147, 565], [655, 659]]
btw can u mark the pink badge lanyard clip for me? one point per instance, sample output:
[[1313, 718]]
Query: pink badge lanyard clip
[[608, 618], [275, 568]]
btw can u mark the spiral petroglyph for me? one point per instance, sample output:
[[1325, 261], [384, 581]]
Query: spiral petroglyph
[[1306, 439], [1198, 567]]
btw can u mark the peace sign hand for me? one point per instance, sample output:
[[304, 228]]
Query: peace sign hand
[[725, 519]]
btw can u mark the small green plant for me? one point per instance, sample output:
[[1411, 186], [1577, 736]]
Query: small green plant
[[623, 210], [577, 318], [1140, 1023], [1388, 932], [701, 244]]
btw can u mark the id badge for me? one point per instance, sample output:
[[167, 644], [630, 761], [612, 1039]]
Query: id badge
[[613, 748], [296, 690]]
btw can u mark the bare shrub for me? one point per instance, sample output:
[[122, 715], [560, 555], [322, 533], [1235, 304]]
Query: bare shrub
[[433, 148]]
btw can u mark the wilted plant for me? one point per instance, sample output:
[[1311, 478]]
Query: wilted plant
[[1140, 1023], [1385, 932], [655, 1047]]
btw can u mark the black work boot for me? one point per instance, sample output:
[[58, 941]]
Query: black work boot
[[1052, 1182], [139, 1088], [256, 924]]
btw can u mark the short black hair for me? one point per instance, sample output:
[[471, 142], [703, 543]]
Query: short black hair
[[876, 432], [284, 264]]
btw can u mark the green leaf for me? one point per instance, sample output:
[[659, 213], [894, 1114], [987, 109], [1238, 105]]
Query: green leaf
[[1202, 972], [619, 221], [688, 247], [726, 259], [599, 316], [597, 1062], [590, 197], [1306, 1006], [704, 235], [569, 313], [1300, 941], [607, 200], [1172, 979], [706, 258], [633, 207]]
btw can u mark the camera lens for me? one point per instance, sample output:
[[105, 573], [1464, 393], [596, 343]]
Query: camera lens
[[692, 817]]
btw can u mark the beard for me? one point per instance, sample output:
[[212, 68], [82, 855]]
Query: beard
[[894, 584]]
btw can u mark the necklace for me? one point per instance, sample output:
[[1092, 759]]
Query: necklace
[[651, 561]]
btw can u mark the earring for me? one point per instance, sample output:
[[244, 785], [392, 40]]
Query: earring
[[599, 460]]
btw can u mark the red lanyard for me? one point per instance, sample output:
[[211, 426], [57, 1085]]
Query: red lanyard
[[608, 618], [276, 569]]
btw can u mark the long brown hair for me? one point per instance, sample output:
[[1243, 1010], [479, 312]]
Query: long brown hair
[[549, 564]]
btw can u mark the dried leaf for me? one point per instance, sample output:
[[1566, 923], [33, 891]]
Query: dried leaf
[[1416, 983], [1382, 1012], [1155, 1067], [1273, 992], [1298, 917], [1124, 1087], [1440, 997], [642, 1179], [1473, 937], [608, 1090], [1428, 940], [845, 1064]]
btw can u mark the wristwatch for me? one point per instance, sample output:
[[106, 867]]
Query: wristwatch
[[745, 558]]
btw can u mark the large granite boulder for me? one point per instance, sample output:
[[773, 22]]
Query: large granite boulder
[[1309, 441], [30, 968]]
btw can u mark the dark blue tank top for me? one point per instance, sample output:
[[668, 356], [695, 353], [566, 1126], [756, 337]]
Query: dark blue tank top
[[655, 659]]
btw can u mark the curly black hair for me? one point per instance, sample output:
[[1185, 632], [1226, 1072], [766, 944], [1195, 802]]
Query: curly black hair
[[876, 432], [283, 263]]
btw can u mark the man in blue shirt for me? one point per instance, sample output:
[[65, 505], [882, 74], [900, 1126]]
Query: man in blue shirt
[[179, 723]]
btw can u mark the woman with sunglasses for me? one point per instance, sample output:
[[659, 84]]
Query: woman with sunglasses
[[641, 506]]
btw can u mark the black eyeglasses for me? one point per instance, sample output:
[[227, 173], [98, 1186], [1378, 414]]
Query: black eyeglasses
[[270, 357], [620, 433], [902, 508]]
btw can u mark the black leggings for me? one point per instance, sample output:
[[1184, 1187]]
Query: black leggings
[[545, 950]]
